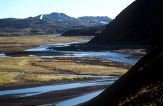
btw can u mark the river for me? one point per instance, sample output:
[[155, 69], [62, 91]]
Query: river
[[114, 56], [24, 92], [79, 100], [105, 80]]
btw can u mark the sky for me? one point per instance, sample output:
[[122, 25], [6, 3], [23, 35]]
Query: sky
[[74, 8]]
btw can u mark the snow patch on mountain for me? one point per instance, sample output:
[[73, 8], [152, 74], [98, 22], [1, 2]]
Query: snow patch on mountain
[[102, 22], [41, 17]]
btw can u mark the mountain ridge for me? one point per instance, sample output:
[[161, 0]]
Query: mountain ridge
[[54, 23]]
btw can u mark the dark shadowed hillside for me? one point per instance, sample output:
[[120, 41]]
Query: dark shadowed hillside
[[138, 24], [85, 31], [142, 85]]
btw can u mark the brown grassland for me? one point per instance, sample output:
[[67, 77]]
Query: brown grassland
[[21, 70], [21, 43], [28, 70]]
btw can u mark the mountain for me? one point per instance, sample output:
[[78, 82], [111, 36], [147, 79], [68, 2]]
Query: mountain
[[30, 26], [90, 20], [48, 24], [85, 20], [138, 24], [58, 18], [85, 31]]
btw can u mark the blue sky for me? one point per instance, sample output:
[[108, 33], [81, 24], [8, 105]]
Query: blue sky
[[75, 8]]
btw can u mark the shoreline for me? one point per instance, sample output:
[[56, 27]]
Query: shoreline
[[38, 84], [48, 83], [49, 97]]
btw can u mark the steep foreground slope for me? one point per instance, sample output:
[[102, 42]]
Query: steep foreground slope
[[138, 24], [142, 85]]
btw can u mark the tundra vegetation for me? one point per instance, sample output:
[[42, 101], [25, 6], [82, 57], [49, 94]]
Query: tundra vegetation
[[26, 70]]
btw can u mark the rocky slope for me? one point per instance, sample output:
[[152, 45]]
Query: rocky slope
[[139, 24], [142, 85]]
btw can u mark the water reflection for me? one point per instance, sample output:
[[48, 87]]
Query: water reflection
[[44, 89], [79, 100], [118, 57]]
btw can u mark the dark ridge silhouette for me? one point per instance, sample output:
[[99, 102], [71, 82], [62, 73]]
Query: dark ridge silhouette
[[85, 31], [138, 24]]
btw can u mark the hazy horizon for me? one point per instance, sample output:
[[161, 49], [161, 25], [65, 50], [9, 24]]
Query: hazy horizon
[[73, 8]]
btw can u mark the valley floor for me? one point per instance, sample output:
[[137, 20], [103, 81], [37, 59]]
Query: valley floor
[[31, 71], [26, 70]]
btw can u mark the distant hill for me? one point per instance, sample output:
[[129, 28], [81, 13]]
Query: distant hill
[[64, 19], [90, 20], [85, 31], [53, 23], [138, 24]]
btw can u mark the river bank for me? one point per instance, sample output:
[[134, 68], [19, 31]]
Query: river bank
[[51, 93], [26, 71], [50, 98]]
